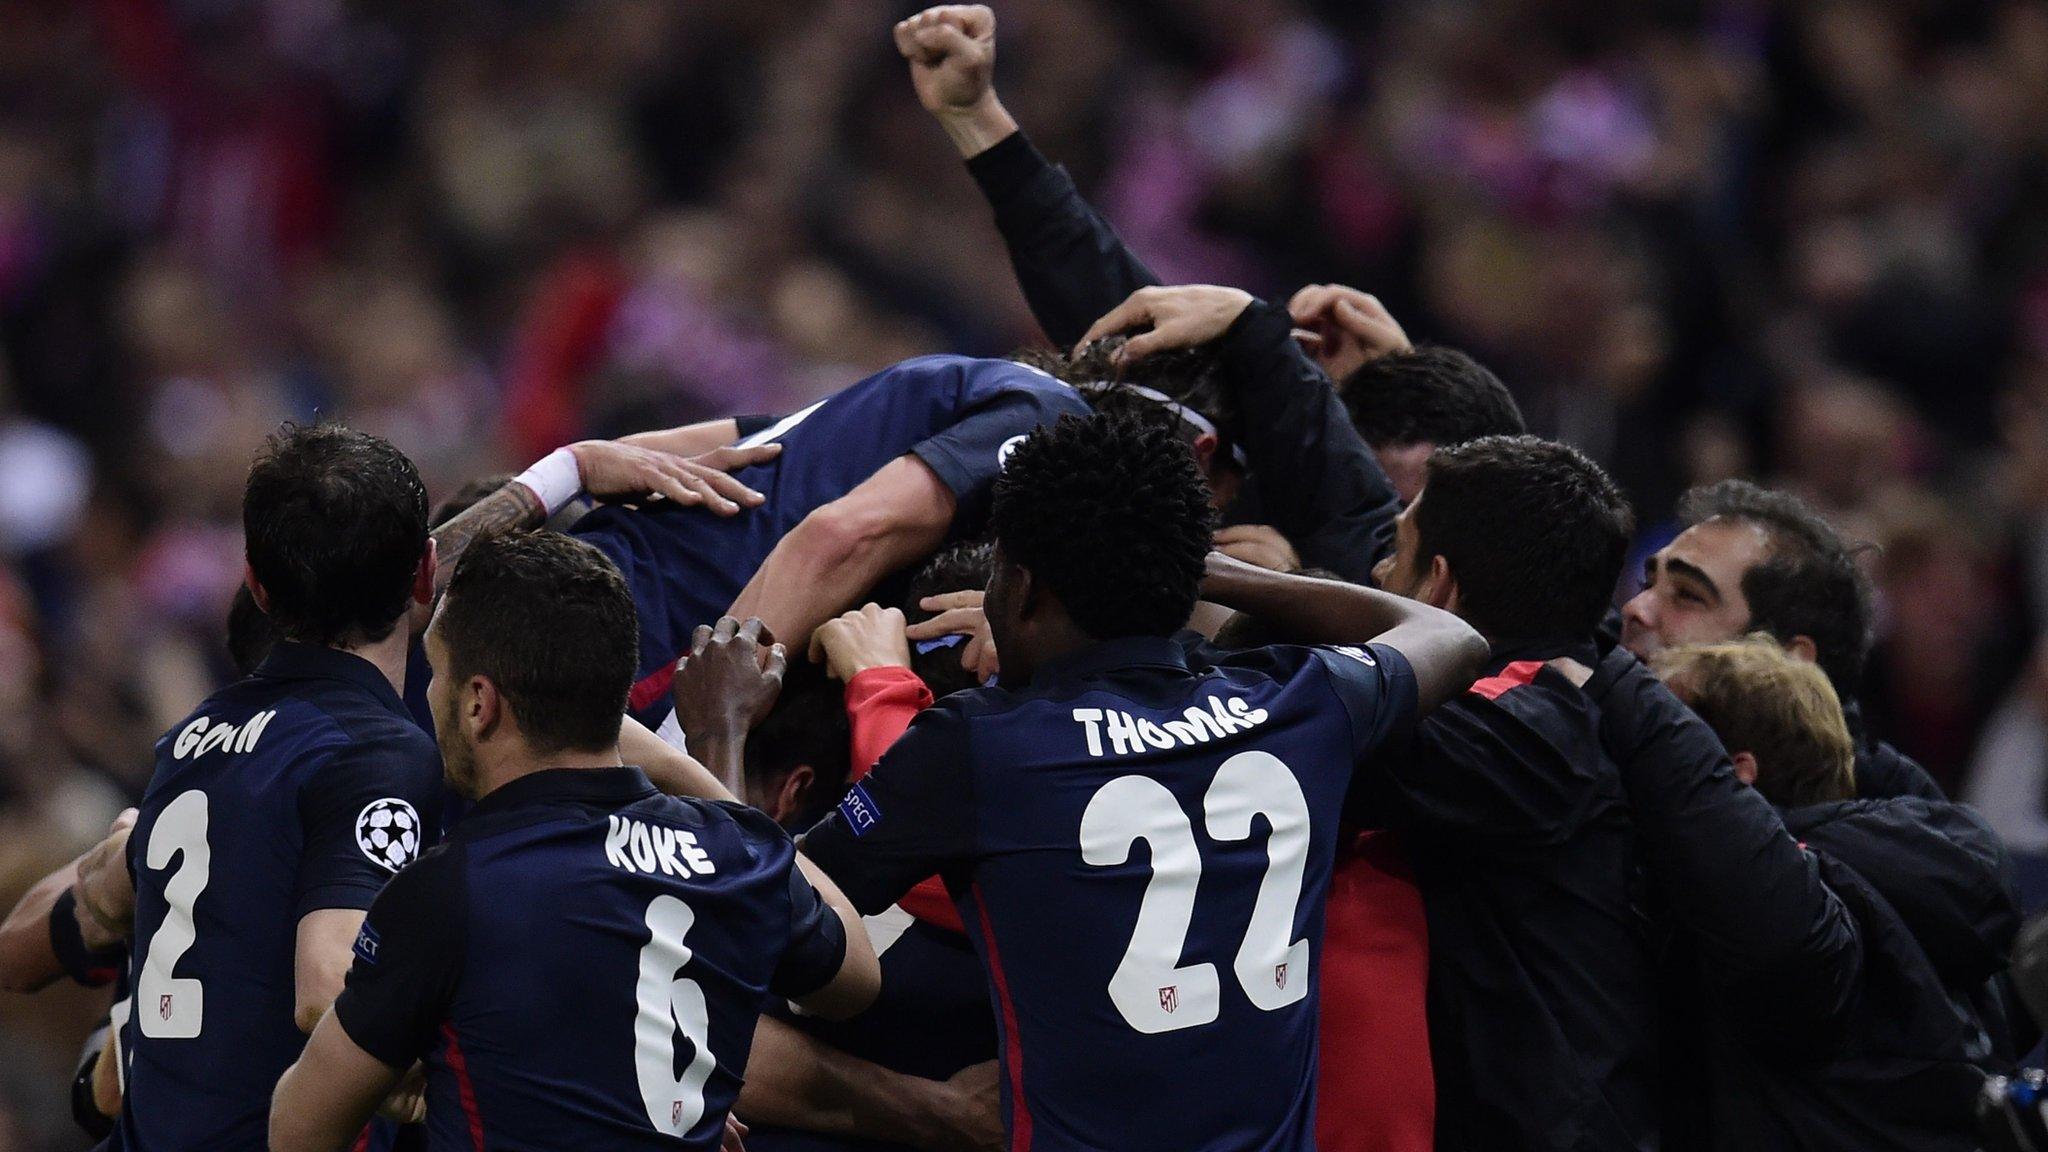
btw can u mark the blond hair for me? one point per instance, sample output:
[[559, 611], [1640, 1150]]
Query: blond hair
[[1778, 709]]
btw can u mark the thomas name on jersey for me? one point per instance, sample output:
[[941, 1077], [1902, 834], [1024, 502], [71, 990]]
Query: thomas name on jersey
[[1199, 725], [642, 849]]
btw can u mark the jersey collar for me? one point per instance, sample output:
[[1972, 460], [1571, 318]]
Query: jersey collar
[[291, 660], [1110, 655], [602, 787]]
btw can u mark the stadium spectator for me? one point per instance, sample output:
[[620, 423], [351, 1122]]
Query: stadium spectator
[[1930, 888]]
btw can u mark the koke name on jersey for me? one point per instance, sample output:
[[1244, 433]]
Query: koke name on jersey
[[202, 735], [1199, 725], [642, 848]]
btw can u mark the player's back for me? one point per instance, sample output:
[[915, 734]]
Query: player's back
[[299, 788], [605, 952], [686, 566], [1150, 852]]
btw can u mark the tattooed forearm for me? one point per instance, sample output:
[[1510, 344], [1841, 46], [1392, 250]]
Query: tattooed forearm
[[509, 509]]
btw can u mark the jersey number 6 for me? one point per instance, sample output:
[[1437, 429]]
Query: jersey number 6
[[1151, 988], [669, 1003]]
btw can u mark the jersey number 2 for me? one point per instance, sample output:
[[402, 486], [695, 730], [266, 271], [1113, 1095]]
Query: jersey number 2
[[169, 1007], [669, 1003], [1151, 988]]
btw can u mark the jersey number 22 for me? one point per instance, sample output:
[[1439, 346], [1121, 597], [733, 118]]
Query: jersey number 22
[[1151, 988]]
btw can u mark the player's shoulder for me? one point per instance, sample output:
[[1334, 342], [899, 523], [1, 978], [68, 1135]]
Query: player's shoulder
[[972, 375], [719, 823]]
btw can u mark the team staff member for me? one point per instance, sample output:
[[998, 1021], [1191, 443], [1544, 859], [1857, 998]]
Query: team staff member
[[1755, 560], [613, 1003], [1167, 1003], [1931, 890]]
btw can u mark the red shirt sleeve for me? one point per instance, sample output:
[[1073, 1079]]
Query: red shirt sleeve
[[880, 704]]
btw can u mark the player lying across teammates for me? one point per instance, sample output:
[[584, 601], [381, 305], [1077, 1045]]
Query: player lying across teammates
[[1146, 839]]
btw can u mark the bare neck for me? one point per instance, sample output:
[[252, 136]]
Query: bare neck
[[388, 654]]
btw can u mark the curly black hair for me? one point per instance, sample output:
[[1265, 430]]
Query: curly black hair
[[1533, 530], [1429, 394], [1808, 585], [1191, 377], [1111, 514], [962, 567]]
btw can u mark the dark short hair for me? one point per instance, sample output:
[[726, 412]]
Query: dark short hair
[[547, 618], [1429, 394], [1110, 513], [807, 725], [335, 523], [962, 567], [1193, 378], [1534, 532], [1808, 583]]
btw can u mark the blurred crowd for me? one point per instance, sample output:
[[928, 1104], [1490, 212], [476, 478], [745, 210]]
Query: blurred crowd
[[1804, 242]]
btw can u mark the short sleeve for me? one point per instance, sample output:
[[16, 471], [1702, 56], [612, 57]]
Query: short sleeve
[[366, 813], [969, 455], [1377, 685], [911, 817], [408, 960], [817, 941]]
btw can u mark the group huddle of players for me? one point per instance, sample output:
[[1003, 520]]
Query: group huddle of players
[[1214, 737]]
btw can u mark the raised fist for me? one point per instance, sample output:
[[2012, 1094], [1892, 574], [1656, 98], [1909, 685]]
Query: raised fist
[[952, 54]]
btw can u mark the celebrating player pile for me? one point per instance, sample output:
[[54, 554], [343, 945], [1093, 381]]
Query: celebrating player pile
[[1092, 821]]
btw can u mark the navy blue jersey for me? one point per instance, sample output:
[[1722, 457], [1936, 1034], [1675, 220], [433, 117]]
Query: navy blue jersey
[[1141, 850], [302, 787], [686, 566], [582, 963]]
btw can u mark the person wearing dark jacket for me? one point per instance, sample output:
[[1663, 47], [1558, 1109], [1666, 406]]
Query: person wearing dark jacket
[[1336, 503], [1753, 559], [1902, 1060]]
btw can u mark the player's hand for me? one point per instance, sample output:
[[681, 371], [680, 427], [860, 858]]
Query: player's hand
[[952, 54], [871, 636], [735, 1136], [105, 891], [407, 1103], [1350, 327], [730, 679], [1179, 317], [615, 470], [975, 1109], [961, 614], [1260, 544]]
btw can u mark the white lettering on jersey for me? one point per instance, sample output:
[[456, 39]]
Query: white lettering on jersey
[[644, 849], [1197, 725], [202, 736]]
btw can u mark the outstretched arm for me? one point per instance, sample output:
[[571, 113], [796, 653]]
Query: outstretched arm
[[795, 1080], [829, 561], [1444, 651], [608, 470]]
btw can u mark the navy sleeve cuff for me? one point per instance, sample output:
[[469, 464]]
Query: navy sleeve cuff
[[82, 964], [1004, 170], [1258, 332]]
